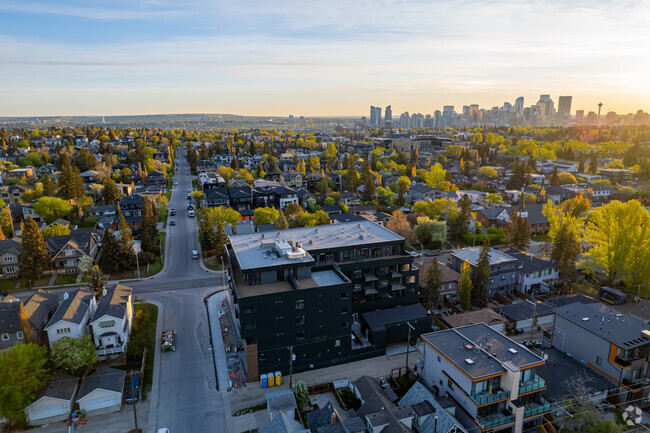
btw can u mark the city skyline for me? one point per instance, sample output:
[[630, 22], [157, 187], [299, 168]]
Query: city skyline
[[334, 59]]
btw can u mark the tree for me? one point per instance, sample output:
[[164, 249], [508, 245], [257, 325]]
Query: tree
[[494, 198], [518, 231], [465, 288], [431, 290], [593, 163], [520, 175], [565, 251], [149, 230], [109, 261], [398, 223], [56, 230], [555, 177], [48, 187], [430, 232], [74, 354], [281, 222], [52, 208], [226, 215], [266, 215], [23, 372], [222, 240], [582, 160], [368, 182], [161, 204], [460, 224], [84, 160], [34, 259], [486, 172], [198, 196], [619, 235], [110, 192], [403, 184], [208, 237], [6, 221], [565, 178], [126, 255], [301, 393], [192, 157], [70, 182], [481, 276], [330, 155]]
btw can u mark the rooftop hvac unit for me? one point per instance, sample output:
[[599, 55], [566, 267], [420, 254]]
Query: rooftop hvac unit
[[469, 361], [645, 333]]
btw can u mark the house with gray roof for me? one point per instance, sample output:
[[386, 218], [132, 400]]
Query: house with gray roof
[[527, 314], [430, 416], [9, 256], [378, 410], [11, 331], [101, 391], [72, 316], [55, 401], [111, 323], [39, 309], [67, 250], [503, 268], [534, 275]]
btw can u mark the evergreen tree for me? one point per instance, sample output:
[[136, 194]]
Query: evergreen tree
[[555, 177], [481, 276], [581, 163], [593, 164], [520, 175], [465, 288], [34, 259], [110, 261], [369, 184], [518, 231], [281, 223], [565, 252], [71, 186], [222, 240], [431, 291], [532, 163], [460, 225], [149, 232], [127, 254], [110, 192], [48, 187], [209, 239]]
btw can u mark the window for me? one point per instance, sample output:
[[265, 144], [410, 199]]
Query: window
[[69, 253], [406, 267], [439, 360], [300, 335], [512, 276], [20, 335], [10, 269], [5, 337], [503, 277], [248, 310], [410, 279], [357, 287], [63, 331], [249, 326], [345, 295], [383, 283], [358, 273], [300, 320], [344, 324], [107, 324], [344, 310], [491, 280], [9, 259], [450, 384], [599, 360], [337, 343], [300, 304]]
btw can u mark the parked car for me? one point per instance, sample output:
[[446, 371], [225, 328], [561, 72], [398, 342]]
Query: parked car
[[172, 212], [191, 213], [172, 223], [175, 182], [195, 254], [189, 206], [133, 391]]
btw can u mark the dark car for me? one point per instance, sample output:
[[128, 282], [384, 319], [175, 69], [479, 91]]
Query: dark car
[[133, 392], [172, 223]]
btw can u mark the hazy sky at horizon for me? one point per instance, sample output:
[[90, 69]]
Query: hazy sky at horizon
[[280, 57]]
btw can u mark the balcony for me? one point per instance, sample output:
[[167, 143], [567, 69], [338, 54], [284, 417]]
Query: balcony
[[535, 384], [491, 421], [534, 409], [481, 398], [110, 350]]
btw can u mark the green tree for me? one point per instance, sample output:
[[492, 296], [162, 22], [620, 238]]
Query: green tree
[[565, 251], [226, 215], [85, 161], [481, 276], [34, 259], [222, 239], [494, 198], [56, 230], [555, 177], [149, 230], [266, 215], [74, 354], [518, 231], [110, 192], [198, 196], [301, 393], [460, 224], [281, 222], [430, 233], [126, 252], [52, 208], [192, 157], [208, 236], [71, 186], [403, 185], [110, 261], [486, 172], [465, 288], [330, 155], [48, 187], [566, 178], [23, 372], [593, 163], [368, 182], [431, 290]]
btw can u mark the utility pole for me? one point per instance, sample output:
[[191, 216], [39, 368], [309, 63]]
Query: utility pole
[[408, 344], [290, 366], [135, 414], [532, 325], [137, 262]]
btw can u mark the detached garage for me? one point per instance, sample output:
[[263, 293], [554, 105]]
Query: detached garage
[[54, 402], [101, 392], [521, 314]]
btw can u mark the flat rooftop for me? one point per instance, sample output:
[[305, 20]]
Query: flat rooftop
[[479, 350], [318, 279], [620, 329], [471, 255], [256, 250]]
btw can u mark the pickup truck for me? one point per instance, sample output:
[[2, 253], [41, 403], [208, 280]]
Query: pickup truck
[[168, 338]]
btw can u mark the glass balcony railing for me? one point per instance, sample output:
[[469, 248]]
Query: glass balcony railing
[[537, 408], [481, 398], [491, 421], [536, 383]]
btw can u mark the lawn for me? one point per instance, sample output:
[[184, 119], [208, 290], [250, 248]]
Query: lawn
[[349, 400], [88, 222], [540, 237], [163, 218], [143, 334], [65, 279], [10, 284], [195, 183], [213, 263]]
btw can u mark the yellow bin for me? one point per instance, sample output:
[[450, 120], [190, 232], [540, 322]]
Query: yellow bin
[[271, 379], [278, 378]]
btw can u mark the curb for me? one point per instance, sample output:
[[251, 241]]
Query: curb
[[214, 360], [153, 404]]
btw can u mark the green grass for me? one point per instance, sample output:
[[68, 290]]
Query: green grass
[[45, 281], [88, 222], [143, 335], [154, 267], [540, 237], [163, 218], [250, 409], [9, 284], [65, 279], [213, 263], [195, 183]]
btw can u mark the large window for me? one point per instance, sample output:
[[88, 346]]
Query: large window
[[300, 304], [107, 324]]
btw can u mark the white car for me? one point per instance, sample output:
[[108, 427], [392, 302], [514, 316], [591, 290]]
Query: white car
[[414, 253], [163, 430], [175, 182]]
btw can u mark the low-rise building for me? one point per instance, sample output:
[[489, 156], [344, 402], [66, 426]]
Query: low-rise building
[[67, 250], [533, 275], [503, 268], [72, 316], [9, 257], [101, 391], [111, 323], [55, 401]]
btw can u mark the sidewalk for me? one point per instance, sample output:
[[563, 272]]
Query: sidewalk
[[153, 395]]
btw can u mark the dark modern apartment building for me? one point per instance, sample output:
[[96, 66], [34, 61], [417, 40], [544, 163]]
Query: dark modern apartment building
[[334, 294]]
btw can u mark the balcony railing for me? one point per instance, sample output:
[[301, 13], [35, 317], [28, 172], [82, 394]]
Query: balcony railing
[[482, 398], [536, 383], [496, 420], [111, 350], [537, 408]]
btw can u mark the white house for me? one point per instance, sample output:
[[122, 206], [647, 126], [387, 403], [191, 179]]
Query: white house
[[111, 323], [72, 316], [55, 401], [101, 391], [533, 274]]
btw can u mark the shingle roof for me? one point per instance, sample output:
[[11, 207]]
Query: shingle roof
[[524, 310], [39, 305], [113, 304], [280, 400], [529, 263], [61, 386], [9, 317], [9, 246], [74, 308], [471, 254], [485, 315], [444, 420], [80, 238], [110, 379]]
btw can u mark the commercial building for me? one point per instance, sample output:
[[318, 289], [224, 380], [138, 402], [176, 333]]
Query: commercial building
[[336, 293], [489, 376]]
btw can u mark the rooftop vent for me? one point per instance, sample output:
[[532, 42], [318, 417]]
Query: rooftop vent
[[584, 319], [512, 350], [469, 361], [645, 333], [469, 346]]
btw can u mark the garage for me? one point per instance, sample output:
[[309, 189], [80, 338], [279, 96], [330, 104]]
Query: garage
[[54, 402], [521, 314], [101, 391]]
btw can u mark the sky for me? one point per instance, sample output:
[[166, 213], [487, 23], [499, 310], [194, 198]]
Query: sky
[[318, 58]]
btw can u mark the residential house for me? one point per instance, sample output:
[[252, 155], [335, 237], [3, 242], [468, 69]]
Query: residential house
[[284, 196], [156, 179], [378, 409], [211, 180], [23, 172], [327, 419], [489, 376], [614, 344], [67, 250], [125, 188], [55, 401], [485, 315], [430, 415], [556, 193], [9, 257], [493, 217], [102, 391], [423, 192], [282, 409], [13, 194], [527, 315], [206, 166], [263, 196], [131, 207], [90, 176], [215, 197], [106, 213], [72, 316], [112, 321], [503, 268], [533, 213], [293, 179], [449, 280], [46, 169], [533, 275], [11, 330], [40, 308], [241, 198]]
